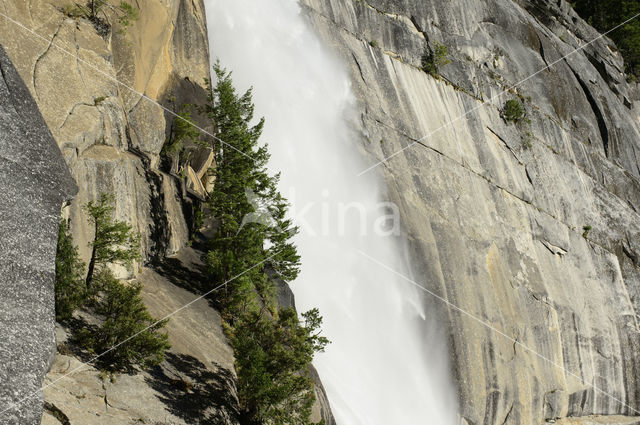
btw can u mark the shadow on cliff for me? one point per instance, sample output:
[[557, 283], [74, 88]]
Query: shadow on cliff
[[186, 271], [194, 392]]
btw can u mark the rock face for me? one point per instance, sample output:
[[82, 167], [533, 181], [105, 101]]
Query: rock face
[[194, 385], [108, 101], [34, 183], [531, 227], [111, 133]]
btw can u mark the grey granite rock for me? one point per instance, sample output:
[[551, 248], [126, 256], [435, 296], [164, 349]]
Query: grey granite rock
[[34, 183], [494, 211]]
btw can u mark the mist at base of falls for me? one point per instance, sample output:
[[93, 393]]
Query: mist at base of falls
[[386, 364]]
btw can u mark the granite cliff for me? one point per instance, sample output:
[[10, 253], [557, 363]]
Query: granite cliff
[[529, 227], [109, 98]]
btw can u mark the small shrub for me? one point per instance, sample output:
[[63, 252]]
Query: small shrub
[[182, 130], [374, 43], [526, 140], [586, 229], [70, 290], [434, 58], [127, 14], [98, 100], [125, 319], [124, 12], [73, 11], [513, 110]]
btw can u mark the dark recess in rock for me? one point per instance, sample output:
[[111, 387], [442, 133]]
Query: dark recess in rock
[[602, 124]]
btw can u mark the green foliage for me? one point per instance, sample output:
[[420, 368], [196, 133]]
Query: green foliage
[[271, 353], [127, 14], [586, 230], [513, 110], [73, 11], [435, 58], [182, 130], [273, 349], [115, 242], [127, 326], [124, 12], [527, 140], [605, 15], [98, 100], [374, 43], [70, 290], [241, 167]]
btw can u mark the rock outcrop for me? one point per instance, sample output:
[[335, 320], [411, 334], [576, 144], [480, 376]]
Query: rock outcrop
[[34, 183], [109, 99], [532, 227], [194, 385], [103, 99]]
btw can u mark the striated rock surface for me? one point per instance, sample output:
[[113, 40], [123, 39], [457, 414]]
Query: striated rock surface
[[194, 385], [106, 100], [34, 183], [496, 212], [111, 133]]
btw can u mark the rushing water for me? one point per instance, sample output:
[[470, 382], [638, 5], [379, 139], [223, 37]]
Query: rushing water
[[385, 365]]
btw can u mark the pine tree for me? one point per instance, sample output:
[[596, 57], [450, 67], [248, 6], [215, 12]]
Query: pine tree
[[241, 167], [70, 290], [605, 15], [272, 356], [114, 242], [125, 319], [253, 240]]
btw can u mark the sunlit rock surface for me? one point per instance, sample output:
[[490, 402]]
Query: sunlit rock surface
[[111, 135], [495, 211]]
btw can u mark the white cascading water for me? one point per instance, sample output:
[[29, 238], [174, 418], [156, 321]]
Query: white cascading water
[[385, 366]]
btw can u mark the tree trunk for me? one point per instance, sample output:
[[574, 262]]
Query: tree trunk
[[92, 262]]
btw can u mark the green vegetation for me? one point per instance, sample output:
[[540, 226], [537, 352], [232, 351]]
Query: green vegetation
[[128, 336], [434, 58], [70, 290], [273, 348], [513, 110], [527, 140], [270, 355], [114, 241], [605, 15], [586, 229], [98, 100], [182, 130], [126, 325], [98, 12], [374, 43]]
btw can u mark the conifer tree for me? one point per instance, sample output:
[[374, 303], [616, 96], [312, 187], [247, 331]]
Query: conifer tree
[[70, 290], [114, 242], [128, 335], [271, 353], [252, 240], [241, 167]]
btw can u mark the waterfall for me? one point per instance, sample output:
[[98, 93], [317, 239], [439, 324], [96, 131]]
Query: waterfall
[[386, 364]]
